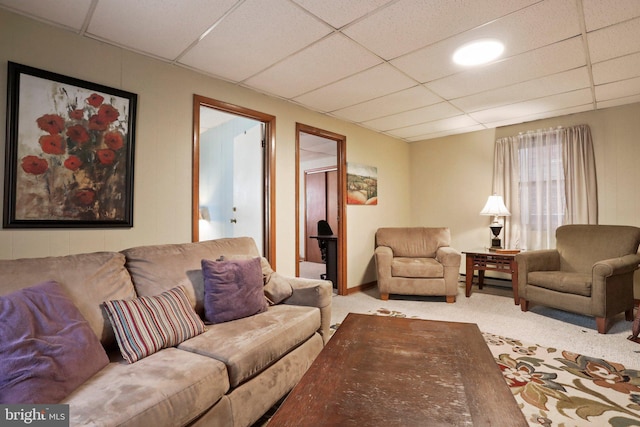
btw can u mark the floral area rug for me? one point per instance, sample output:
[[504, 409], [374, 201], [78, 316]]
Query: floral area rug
[[556, 388]]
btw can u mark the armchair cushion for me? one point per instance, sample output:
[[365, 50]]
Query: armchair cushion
[[571, 283], [416, 267], [411, 242]]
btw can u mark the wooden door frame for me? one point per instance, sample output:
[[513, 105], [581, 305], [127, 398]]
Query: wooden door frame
[[341, 164], [269, 170]]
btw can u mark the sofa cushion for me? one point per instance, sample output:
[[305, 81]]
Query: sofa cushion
[[145, 325], [157, 268], [562, 281], [88, 280], [232, 289], [169, 388], [277, 288], [416, 267], [47, 348], [249, 345]]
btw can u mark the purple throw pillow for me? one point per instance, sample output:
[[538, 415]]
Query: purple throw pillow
[[232, 289], [47, 348]]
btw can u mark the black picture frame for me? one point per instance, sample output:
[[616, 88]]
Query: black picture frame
[[69, 156]]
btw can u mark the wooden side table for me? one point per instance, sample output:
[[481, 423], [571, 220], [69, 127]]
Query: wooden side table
[[484, 260]]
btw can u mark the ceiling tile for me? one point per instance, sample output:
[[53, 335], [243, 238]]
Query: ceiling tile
[[541, 62], [614, 41], [404, 100], [556, 83], [424, 23], [256, 35], [619, 101], [536, 26], [602, 13], [339, 13], [159, 31], [372, 83], [622, 68], [420, 115], [443, 125], [446, 133], [324, 62], [68, 13], [619, 89], [534, 106], [540, 116]]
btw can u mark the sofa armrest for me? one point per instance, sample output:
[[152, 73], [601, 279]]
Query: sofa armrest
[[313, 293], [615, 266], [383, 256], [539, 260], [448, 256]]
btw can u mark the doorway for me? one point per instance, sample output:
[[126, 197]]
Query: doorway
[[232, 174], [320, 180]]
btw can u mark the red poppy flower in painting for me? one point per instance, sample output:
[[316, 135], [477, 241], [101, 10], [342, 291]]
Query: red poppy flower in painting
[[52, 144], [95, 100], [97, 123], [106, 156], [51, 123], [85, 197], [34, 165], [73, 163], [78, 134], [113, 140], [107, 113], [76, 114]]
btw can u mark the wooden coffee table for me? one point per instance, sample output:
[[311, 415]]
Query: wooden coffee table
[[386, 371]]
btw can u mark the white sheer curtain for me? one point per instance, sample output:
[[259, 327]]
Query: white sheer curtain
[[547, 178]]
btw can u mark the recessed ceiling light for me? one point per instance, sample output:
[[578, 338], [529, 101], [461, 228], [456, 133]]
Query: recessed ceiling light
[[478, 52]]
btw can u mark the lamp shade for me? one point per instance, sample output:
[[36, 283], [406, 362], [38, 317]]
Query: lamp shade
[[495, 207]]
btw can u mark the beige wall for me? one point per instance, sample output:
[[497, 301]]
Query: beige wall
[[461, 167], [162, 203]]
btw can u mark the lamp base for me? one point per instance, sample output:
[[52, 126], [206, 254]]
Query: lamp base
[[496, 243]]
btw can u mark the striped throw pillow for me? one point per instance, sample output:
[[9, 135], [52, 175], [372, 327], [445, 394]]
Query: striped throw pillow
[[145, 325]]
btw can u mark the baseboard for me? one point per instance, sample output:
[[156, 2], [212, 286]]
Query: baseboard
[[362, 287]]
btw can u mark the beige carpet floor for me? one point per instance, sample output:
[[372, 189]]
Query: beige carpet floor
[[494, 311]]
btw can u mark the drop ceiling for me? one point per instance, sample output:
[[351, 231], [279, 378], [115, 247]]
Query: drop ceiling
[[385, 64]]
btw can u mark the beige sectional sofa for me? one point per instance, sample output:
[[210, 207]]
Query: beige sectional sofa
[[230, 375]]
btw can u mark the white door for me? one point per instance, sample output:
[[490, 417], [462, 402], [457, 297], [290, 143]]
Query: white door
[[231, 180], [246, 219]]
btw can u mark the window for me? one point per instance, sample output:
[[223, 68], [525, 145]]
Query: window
[[534, 171], [541, 187]]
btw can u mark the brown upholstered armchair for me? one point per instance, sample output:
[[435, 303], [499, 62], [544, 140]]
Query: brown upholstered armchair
[[416, 261], [590, 272]]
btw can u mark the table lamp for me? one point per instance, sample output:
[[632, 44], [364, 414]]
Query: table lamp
[[495, 207]]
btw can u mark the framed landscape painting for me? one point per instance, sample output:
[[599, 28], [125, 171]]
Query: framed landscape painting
[[70, 152], [362, 184]]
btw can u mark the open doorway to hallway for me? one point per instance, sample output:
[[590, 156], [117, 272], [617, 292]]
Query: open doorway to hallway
[[320, 205]]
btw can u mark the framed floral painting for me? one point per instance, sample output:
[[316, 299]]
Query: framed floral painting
[[70, 152]]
